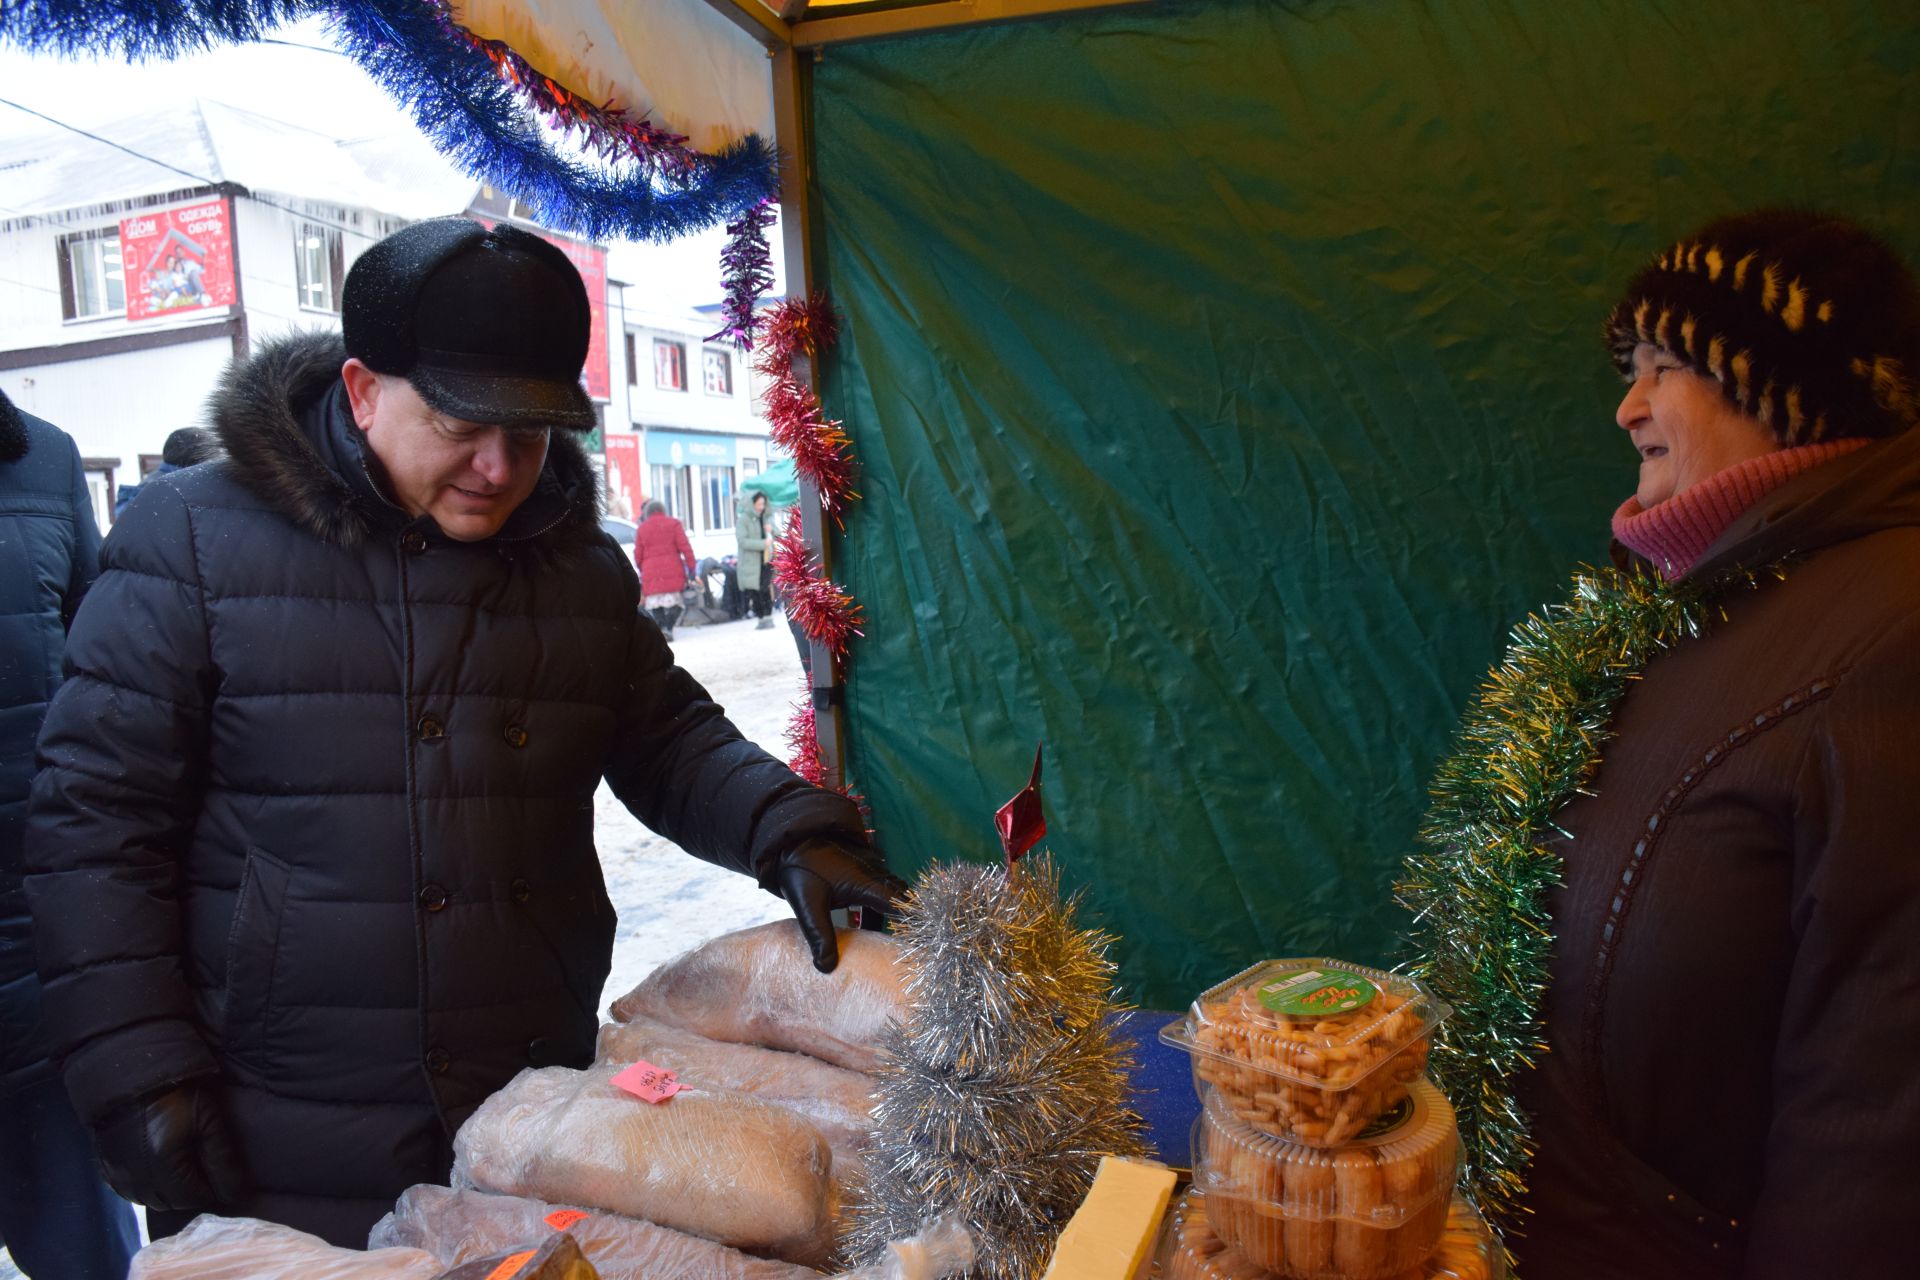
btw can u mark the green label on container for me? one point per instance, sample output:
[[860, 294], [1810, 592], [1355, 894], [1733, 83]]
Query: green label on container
[[1318, 993]]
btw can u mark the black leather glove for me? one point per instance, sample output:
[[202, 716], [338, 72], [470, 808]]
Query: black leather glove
[[172, 1151], [820, 875]]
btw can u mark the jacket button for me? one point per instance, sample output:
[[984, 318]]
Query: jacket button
[[521, 890], [540, 1051], [516, 736], [430, 729], [433, 897], [414, 542], [439, 1061]]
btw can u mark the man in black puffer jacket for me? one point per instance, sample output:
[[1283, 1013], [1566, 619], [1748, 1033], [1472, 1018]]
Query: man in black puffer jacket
[[311, 850], [56, 1215]]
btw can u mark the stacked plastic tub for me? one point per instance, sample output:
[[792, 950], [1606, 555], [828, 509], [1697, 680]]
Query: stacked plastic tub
[[1322, 1151]]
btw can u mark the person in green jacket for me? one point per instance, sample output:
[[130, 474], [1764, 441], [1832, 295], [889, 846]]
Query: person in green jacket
[[754, 569]]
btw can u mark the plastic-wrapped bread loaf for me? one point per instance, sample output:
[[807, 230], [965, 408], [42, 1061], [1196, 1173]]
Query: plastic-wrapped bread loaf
[[836, 1101], [721, 1165], [214, 1248], [759, 986], [459, 1226], [557, 1258]]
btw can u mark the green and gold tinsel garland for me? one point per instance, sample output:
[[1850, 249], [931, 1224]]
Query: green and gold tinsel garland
[[1478, 886]]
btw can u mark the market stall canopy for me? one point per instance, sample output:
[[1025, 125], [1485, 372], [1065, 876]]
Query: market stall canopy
[[685, 66]]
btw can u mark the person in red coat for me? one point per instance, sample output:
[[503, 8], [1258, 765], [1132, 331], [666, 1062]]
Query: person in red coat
[[665, 557]]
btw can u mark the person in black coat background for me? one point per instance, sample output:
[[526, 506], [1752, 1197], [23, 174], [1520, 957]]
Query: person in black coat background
[[57, 1216], [311, 849]]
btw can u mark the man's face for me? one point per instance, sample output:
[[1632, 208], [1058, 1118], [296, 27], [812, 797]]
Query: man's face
[[1682, 427], [468, 476]]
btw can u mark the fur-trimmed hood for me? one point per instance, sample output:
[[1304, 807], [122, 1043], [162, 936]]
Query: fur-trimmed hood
[[13, 431], [259, 411]]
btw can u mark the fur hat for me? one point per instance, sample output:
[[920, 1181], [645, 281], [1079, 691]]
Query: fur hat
[[1807, 321], [488, 325]]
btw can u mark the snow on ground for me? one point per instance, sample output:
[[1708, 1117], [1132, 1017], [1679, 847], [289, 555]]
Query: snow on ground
[[669, 900]]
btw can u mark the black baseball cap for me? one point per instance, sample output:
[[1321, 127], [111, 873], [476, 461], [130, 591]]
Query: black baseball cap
[[488, 325]]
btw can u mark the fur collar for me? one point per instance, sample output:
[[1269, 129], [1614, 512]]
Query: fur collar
[[256, 413], [13, 431]]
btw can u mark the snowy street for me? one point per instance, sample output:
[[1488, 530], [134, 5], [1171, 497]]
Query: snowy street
[[667, 900]]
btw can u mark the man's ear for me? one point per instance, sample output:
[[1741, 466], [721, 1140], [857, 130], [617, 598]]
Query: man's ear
[[363, 391]]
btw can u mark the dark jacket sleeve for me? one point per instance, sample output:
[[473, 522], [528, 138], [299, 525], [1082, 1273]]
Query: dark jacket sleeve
[[86, 543], [685, 771], [1846, 1103], [120, 759]]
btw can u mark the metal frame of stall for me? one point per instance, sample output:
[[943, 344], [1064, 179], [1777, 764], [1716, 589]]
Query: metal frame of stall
[[796, 36]]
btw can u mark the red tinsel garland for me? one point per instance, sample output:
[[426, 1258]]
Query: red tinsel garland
[[607, 129], [823, 610], [821, 453], [795, 421]]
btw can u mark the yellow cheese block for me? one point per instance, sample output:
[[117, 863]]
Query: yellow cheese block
[[1114, 1227]]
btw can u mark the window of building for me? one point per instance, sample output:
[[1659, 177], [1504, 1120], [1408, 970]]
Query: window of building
[[102, 489], [749, 467], [670, 486], [319, 266], [633, 364], [669, 365], [715, 487], [92, 280], [719, 372]]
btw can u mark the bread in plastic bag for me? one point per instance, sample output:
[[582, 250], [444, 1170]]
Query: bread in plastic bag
[[759, 986], [215, 1248], [836, 1101], [712, 1163], [558, 1257], [460, 1225]]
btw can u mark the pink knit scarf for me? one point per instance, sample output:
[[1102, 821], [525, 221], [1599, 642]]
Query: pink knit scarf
[[1675, 533]]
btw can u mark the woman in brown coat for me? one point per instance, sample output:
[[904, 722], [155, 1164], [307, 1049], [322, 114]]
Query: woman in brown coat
[[1730, 1010]]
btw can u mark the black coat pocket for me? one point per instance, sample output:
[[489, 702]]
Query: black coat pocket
[[253, 946]]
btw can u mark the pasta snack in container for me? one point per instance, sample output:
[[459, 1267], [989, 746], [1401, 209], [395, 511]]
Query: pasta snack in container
[[1369, 1210], [1309, 1050], [1192, 1250]]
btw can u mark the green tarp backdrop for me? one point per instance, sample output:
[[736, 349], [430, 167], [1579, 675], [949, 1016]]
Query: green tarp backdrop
[[1226, 379]]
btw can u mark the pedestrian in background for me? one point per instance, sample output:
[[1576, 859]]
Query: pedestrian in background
[[58, 1217], [750, 527], [666, 561], [189, 446]]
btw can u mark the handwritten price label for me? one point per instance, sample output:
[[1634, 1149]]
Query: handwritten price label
[[647, 1082], [561, 1219]]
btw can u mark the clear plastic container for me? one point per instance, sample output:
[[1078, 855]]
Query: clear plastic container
[[1369, 1210], [1310, 1050], [1190, 1249]]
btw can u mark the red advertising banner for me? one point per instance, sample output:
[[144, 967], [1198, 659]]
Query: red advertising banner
[[179, 259], [625, 496], [591, 261]]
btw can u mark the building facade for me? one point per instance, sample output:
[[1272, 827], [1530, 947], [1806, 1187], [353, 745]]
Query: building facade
[[691, 406], [126, 287]]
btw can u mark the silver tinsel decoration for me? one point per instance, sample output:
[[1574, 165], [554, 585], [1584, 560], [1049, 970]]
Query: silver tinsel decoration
[[1005, 1085]]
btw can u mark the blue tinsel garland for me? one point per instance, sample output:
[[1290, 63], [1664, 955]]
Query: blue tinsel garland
[[453, 92]]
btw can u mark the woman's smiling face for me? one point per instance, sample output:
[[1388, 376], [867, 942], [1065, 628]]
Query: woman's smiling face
[[1682, 426]]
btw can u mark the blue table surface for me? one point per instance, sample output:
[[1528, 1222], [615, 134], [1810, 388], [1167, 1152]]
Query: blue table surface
[[1162, 1080]]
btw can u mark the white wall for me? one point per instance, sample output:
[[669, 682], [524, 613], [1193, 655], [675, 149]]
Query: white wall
[[124, 405], [269, 280], [30, 286], [695, 409]]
